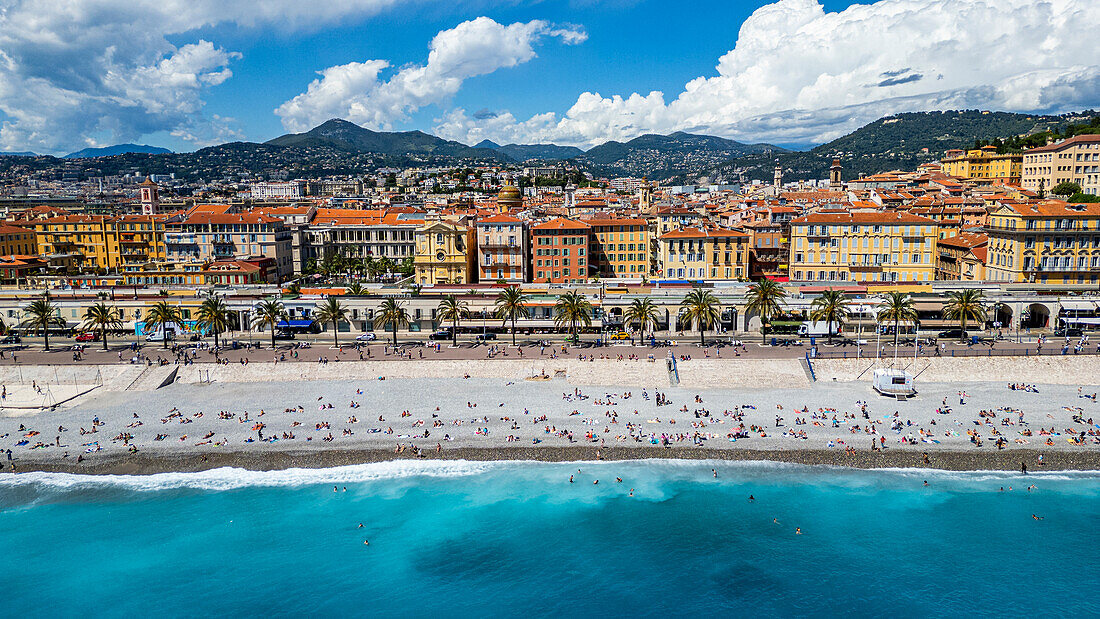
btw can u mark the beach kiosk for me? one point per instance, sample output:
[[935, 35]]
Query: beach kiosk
[[893, 383]]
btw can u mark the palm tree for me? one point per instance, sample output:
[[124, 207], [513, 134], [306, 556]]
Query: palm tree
[[161, 315], [332, 311], [765, 298], [213, 314], [356, 290], [964, 305], [269, 314], [642, 312], [512, 304], [41, 314], [831, 307], [573, 309], [102, 317], [897, 308], [452, 308], [701, 307], [393, 313]]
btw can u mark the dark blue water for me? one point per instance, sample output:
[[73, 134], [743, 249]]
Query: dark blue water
[[517, 539]]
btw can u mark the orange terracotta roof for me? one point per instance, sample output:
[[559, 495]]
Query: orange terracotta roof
[[560, 223], [965, 240]]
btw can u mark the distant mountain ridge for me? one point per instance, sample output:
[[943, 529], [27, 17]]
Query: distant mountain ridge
[[25, 153], [337, 147], [527, 152], [350, 137], [117, 149]]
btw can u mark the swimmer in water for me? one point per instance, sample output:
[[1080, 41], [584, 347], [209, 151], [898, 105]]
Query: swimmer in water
[[631, 492], [570, 479], [360, 526], [798, 531], [618, 480], [595, 482], [715, 471], [751, 498], [366, 543], [1036, 517]]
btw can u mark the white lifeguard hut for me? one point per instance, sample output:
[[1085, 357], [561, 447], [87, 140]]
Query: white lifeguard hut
[[893, 383]]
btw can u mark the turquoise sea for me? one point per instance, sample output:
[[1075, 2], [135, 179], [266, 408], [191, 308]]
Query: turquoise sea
[[518, 539]]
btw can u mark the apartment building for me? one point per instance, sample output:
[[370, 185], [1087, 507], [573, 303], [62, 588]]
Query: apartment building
[[17, 241], [204, 236], [560, 251], [984, 165], [502, 249], [361, 233], [863, 246], [1045, 242], [1076, 160], [619, 247], [125, 243], [768, 249], [700, 253], [962, 257]]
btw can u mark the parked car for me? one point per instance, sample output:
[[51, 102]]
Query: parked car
[[621, 335], [11, 339], [284, 335], [955, 334], [442, 334], [366, 337], [88, 336], [484, 337]]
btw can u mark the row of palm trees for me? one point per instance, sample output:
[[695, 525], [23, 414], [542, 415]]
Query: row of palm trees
[[572, 310], [767, 298]]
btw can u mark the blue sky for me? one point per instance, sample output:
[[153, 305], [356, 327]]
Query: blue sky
[[188, 73]]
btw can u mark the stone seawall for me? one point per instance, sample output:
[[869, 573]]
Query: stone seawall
[[1060, 370]]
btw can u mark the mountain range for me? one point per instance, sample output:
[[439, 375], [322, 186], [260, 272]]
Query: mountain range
[[117, 149], [339, 147]]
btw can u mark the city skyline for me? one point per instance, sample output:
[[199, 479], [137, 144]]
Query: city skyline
[[792, 72]]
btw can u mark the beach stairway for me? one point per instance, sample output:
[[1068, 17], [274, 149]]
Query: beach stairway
[[673, 372], [154, 377], [808, 367]]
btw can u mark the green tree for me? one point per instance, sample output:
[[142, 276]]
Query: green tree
[[332, 311], [393, 313], [512, 304], [702, 308], [964, 306], [161, 315], [831, 307], [641, 312], [1066, 188], [573, 309], [452, 308], [42, 313], [269, 314], [766, 299], [356, 290], [102, 317], [213, 314], [897, 308]]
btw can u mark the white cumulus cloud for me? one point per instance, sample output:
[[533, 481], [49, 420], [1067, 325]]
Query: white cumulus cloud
[[797, 73], [77, 73], [357, 92]]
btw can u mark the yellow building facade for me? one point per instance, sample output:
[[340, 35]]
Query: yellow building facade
[[872, 246], [619, 247], [703, 254], [984, 165], [443, 253], [125, 243], [18, 241], [1045, 242]]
